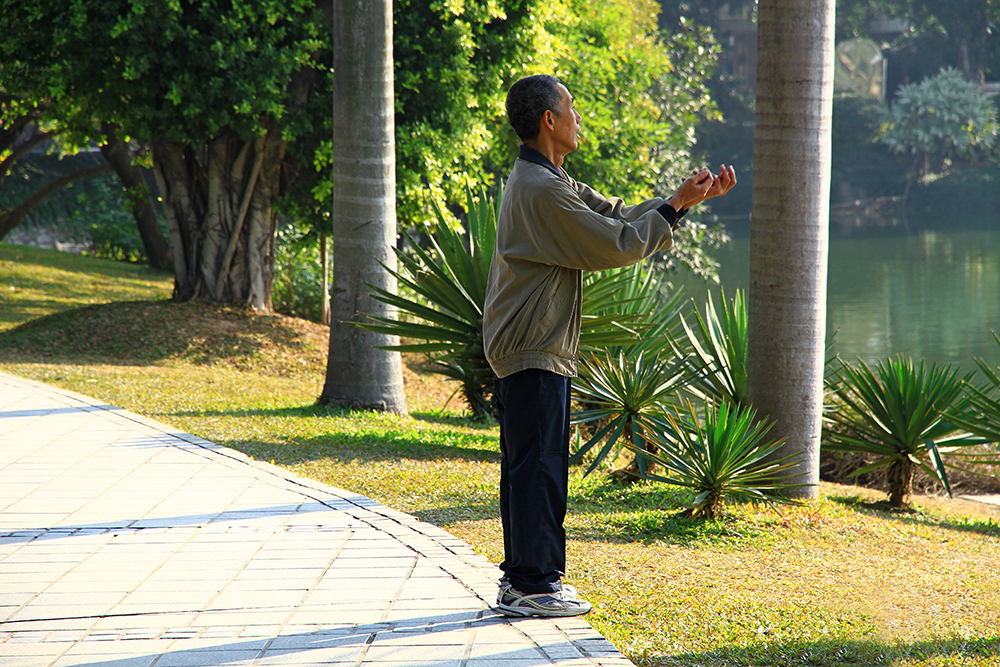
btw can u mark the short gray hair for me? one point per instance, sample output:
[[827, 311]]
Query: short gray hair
[[528, 100]]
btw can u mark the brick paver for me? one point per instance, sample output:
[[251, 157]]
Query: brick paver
[[124, 542]]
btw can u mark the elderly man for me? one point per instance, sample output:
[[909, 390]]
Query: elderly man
[[551, 229]]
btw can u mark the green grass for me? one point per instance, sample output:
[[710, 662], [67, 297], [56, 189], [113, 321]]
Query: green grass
[[836, 582]]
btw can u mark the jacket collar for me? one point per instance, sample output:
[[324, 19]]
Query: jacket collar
[[531, 155]]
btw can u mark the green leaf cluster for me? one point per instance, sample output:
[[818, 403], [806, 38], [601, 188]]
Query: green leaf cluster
[[164, 70], [454, 61], [626, 396], [723, 456], [983, 416], [443, 290], [898, 415], [641, 94], [944, 116]]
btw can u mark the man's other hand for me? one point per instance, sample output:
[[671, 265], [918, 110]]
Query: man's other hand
[[701, 185], [723, 182]]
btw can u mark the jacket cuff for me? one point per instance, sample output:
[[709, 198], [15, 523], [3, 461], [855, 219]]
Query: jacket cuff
[[671, 214]]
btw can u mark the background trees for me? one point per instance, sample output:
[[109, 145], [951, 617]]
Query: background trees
[[218, 92]]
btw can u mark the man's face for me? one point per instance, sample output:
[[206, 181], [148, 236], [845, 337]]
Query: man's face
[[567, 123]]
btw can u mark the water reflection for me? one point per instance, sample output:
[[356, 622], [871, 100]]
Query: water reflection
[[928, 293]]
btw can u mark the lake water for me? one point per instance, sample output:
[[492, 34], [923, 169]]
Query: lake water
[[930, 293]]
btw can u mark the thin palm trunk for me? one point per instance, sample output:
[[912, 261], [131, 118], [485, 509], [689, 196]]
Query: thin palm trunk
[[790, 222], [358, 374]]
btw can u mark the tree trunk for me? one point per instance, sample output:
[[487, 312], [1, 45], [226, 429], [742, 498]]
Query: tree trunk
[[899, 475], [218, 200], [324, 262], [359, 375], [140, 201], [790, 223]]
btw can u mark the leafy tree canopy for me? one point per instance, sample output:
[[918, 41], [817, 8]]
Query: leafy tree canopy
[[171, 70], [639, 93], [944, 116]]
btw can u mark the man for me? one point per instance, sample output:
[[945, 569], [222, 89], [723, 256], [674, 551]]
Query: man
[[550, 229]]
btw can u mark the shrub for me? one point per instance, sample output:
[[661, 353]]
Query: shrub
[[727, 457], [897, 414]]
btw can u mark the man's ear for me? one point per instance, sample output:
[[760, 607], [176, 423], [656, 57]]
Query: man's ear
[[547, 119]]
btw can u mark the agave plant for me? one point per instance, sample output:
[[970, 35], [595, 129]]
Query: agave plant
[[727, 458], [897, 414], [639, 297], [718, 343], [628, 399], [446, 287], [983, 418], [443, 291]]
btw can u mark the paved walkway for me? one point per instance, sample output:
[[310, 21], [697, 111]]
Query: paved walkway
[[126, 543]]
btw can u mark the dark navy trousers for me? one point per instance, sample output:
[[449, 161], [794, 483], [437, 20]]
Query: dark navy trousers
[[533, 406]]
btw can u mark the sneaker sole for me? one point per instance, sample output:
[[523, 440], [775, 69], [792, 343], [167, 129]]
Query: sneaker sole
[[520, 612]]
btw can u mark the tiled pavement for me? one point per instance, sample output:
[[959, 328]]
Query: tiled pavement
[[126, 543]]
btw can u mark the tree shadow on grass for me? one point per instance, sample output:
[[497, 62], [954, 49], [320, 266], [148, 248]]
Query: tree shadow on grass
[[143, 332], [831, 653], [451, 419], [381, 443], [989, 527]]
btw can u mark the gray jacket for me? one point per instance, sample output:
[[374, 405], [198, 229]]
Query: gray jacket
[[549, 231]]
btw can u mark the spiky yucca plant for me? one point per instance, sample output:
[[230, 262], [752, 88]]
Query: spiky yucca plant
[[897, 414], [628, 397], [724, 456], [983, 418], [718, 342]]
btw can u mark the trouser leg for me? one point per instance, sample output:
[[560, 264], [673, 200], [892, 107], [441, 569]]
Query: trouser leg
[[534, 446]]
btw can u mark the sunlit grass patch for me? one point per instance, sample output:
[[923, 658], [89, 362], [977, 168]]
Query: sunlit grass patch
[[835, 582]]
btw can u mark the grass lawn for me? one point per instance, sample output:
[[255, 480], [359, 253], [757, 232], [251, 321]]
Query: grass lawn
[[834, 582]]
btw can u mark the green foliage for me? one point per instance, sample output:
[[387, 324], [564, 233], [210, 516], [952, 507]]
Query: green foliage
[[983, 417], [693, 243], [179, 71], [627, 396], [857, 119], [719, 345], [448, 287], [298, 275], [728, 458], [640, 95], [110, 227], [942, 117], [453, 64], [897, 415]]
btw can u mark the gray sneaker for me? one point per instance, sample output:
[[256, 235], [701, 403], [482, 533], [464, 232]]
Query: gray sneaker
[[511, 602], [505, 586]]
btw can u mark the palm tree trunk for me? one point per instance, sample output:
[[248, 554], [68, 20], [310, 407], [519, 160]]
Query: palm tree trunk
[[358, 374], [790, 223]]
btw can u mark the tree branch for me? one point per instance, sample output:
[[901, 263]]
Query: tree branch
[[12, 217]]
